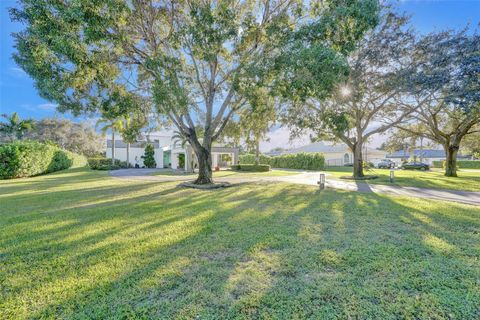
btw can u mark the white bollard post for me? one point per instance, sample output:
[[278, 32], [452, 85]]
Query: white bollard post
[[321, 182], [392, 176]]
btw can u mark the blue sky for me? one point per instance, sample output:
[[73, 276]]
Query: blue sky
[[17, 91]]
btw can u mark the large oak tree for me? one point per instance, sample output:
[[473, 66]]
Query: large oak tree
[[195, 60], [76, 137], [445, 88], [367, 101]]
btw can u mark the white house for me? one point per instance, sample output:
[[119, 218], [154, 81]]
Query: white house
[[339, 154], [169, 152]]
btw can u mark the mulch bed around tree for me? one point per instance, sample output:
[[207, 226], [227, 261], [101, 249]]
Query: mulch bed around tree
[[367, 177], [205, 186]]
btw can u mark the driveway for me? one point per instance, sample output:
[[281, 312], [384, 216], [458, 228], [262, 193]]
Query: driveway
[[146, 175], [311, 178]]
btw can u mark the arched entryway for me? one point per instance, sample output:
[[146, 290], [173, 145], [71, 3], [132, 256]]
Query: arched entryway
[[346, 158]]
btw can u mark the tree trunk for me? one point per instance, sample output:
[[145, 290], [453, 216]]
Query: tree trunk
[[113, 147], [204, 157], [451, 161], [421, 149], [128, 155], [357, 161], [257, 152]]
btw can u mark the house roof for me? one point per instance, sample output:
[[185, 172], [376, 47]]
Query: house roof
[[120, 144], [324, 148], [425, 153], [275, 153]]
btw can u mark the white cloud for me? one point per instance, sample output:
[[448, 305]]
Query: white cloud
[[48, 106], [17, 72]]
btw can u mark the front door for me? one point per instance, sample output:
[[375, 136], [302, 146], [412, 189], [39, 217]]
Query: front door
[[167, 162]]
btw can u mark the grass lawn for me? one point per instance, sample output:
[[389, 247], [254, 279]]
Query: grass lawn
[[229, 173], [467, 180], [82, 245]]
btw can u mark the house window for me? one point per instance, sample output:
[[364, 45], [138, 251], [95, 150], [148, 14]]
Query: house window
[[346, 158]]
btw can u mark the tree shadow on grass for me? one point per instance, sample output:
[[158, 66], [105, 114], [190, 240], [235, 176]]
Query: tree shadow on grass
[[258, 251], [59, 221], [370, 263]]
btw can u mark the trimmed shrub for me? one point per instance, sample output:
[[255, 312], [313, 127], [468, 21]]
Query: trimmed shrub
[[251, 167], [102, 163], [305, 161], [367, 165], [181, 161], [250, 159], [437, 164], [149, 157], [30, 158]]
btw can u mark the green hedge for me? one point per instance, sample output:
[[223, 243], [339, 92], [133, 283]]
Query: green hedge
[[461, 164], [31, 158], [468, 164], [250, 159], [365, 164], [251, 167], [305, 161], [101, 163], [437, 164]]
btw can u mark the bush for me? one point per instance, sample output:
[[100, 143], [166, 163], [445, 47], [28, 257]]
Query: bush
[[368, 165], [305, 161], [181, 161], [461, 164], [250, 159], [251, 167], [29, 158], [468, 164], [149, 157], [437, 164], [102, 163]]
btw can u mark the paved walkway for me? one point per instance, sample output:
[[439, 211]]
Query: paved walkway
[[311, 178], [146, 174]]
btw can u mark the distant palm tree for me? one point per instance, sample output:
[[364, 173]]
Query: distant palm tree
[[114, 125], [15, 128], [179, 137], [128, 138]]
